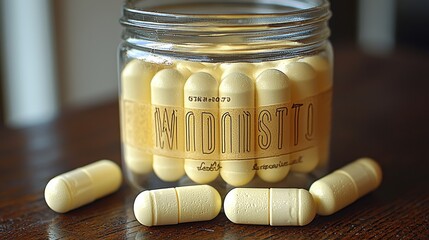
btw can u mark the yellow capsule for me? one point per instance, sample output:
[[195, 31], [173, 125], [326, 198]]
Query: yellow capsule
[[167, 98], [83, 185], [135, 115], [177, 205], [272, 88], [237, 129], [345, 185], [201, 129], [275, 206]]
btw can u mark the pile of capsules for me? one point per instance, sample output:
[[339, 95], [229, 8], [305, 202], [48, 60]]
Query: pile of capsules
[[263, 206], [236, 120]]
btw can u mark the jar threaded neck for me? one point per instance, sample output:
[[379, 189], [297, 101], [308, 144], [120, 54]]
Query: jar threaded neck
[[226, 29]]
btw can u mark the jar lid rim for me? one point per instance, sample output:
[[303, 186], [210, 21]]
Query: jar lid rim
[[159, 9]]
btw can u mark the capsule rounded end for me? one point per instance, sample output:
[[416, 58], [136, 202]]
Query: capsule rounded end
[[375, 169], [318, 62], [307, 207], [135, 78], [230, 206], [273, 169], [272, 79], [272, 177], [201, 171], [324, 198], [136, 67], [137, 161], [217, 201], [299, 71], [237, 179], [237, 173], [58, 196], [201, 82], [168, 169], [143, 209]]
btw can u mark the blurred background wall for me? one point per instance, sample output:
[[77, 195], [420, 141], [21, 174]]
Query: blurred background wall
[[56, 55], [87, 35], [67, 57]]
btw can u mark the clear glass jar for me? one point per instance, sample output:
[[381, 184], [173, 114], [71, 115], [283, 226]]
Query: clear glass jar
[[227, 93]]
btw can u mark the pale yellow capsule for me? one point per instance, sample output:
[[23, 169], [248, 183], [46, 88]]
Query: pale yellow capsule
[[167, 100], [177, 205], [324, 83], [275, 206], [83, 185], [272, 88], [344, 186], [201, 127], [135, 114], [137, 160], [135, 79], [237, 128], [303, 85]]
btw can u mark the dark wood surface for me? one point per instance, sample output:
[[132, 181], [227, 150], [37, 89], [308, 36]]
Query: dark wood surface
[[380, 110]]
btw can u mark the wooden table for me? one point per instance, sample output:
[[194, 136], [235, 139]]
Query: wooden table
[[380, 110]]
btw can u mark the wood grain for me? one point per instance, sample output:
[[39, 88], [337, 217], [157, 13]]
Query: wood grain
[[380, 110]]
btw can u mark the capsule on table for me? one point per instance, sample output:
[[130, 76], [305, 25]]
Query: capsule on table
[[236, 108], [345, 185], [83, 185], [167, 111], [135, 115], [177, 205], [201, 127], [275, 206], [272, 89]]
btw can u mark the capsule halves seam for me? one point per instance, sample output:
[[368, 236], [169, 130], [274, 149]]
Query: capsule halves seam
[[177, 205]]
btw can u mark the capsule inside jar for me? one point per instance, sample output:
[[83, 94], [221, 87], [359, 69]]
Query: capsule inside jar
[[238, 125]]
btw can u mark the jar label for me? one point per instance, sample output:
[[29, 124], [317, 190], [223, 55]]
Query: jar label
[[135, 122], [225, 134]]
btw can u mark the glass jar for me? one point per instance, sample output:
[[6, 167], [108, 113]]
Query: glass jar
[[227, 93]]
